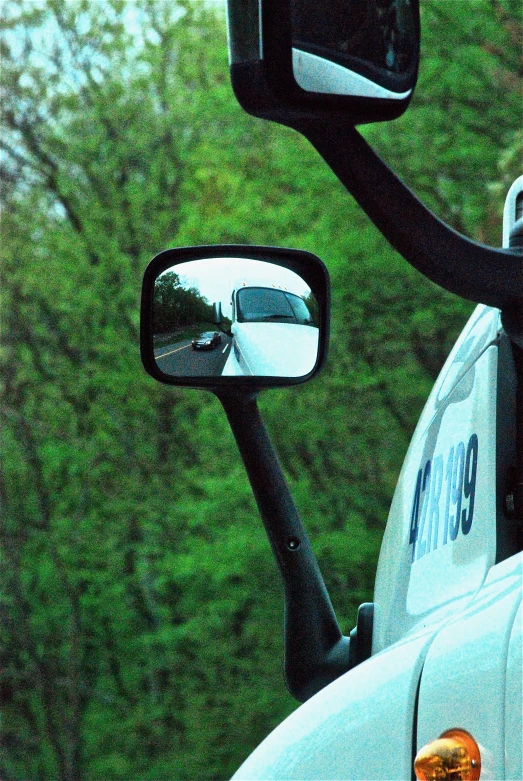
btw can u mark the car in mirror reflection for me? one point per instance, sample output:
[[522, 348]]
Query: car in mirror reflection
[[206, 341]]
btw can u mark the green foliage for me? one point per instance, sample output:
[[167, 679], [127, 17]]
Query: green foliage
[[140, 632], [175, 306], [466, 114]]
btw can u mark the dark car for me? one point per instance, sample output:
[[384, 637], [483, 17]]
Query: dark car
[[207, 341]]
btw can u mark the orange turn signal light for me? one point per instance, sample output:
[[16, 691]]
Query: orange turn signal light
[[454, 756]]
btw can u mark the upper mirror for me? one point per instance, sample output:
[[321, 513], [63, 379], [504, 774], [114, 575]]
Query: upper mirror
[[365, 48], [234, 317]]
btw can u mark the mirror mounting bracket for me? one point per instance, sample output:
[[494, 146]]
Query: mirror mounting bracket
[[460, 265], [316, 652], [477, 272]]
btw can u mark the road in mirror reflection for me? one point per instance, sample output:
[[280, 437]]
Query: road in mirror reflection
[[234, 317]]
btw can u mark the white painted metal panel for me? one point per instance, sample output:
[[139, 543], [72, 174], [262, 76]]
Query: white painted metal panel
[[359, 727], [514, 702], [440, 539], [463, 680]]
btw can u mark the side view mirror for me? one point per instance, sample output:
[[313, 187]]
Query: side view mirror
[[220, 316], [321, 69], [275, 303], [357, 56]]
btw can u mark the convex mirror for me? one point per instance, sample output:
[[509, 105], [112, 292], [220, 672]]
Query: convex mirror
[[234, 315], [354, 47], [359, 56]]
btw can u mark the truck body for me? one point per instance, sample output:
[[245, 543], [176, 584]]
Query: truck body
[[434, 683], [273, 333], [447, 635], [430, 680]]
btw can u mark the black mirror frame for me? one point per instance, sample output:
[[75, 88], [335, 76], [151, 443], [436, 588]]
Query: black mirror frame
[[308, 266], [267, 88]]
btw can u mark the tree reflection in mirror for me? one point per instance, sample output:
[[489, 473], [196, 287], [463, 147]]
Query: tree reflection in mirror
[[234, 317]]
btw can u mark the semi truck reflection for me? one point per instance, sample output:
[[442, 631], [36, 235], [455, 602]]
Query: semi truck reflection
[[274, 334]]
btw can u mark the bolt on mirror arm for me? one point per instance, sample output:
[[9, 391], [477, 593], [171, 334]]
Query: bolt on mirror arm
[[474, 271], [316, 652]]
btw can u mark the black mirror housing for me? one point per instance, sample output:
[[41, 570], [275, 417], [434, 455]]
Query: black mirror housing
[[297, 58], [271, 307]]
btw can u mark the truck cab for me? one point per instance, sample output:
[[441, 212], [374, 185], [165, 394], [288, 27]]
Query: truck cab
[[447, 630], [430, 678], [273, 332], [429, 681]]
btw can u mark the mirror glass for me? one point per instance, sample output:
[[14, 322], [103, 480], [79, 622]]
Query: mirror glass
[[234, 317], [355, 47]]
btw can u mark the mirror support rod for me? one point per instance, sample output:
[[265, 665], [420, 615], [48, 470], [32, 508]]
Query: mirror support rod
[[474, 271], [316, 652]]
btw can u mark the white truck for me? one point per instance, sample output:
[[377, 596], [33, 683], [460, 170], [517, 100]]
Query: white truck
[[272, 333], [447, 631], [429, 683]]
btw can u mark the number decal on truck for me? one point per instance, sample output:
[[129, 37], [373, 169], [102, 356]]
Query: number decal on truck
[[445, 491]]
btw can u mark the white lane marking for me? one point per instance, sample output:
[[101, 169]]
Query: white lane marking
[[225, 348]]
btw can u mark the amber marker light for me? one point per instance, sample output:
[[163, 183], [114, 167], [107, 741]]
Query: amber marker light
[[454, 756]]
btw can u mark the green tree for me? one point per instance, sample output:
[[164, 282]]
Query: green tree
[[176, 306], [100, 121]]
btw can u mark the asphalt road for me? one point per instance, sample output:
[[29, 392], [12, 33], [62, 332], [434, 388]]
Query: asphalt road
[[180, 360]]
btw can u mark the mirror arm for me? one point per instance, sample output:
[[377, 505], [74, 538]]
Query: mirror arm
[[316, 652], [474, 271]]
